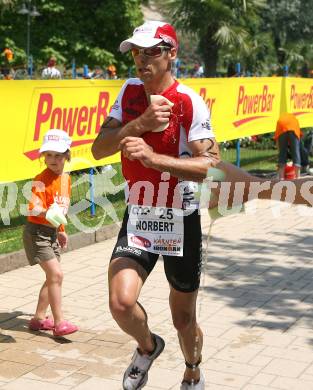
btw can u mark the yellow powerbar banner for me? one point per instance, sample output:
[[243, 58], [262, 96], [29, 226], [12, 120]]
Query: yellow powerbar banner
[[239, 106], [298, 99], [29, 108]]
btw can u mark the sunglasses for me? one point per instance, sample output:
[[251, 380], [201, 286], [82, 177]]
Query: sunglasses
[[155, 51]]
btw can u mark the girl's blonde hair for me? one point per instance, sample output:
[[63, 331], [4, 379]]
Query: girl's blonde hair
[[67, 154]]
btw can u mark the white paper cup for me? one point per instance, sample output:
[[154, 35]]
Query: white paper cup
[[55, 216], [160, 99]]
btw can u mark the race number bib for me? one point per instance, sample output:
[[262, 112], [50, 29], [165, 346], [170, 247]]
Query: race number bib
[[156, 229]]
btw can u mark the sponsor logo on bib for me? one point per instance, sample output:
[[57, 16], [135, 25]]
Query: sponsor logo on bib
[[141, 241]]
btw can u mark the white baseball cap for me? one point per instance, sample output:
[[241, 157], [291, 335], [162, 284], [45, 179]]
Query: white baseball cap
[[56, 141], [150, 34]]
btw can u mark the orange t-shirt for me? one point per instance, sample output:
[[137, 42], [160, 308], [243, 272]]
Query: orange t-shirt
[[287, 122], [49, 188]]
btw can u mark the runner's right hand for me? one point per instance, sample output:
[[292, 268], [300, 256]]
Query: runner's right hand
[[154, 116]]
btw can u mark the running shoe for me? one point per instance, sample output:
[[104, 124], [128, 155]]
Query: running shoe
[[136, 375]]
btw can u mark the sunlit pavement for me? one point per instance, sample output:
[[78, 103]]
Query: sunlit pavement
[[255, 308]]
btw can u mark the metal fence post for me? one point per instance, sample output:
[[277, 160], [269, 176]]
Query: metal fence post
[[92, 192], [30, 66], [74, 69], [286, 70], [238, 153], [238, 73], [238, 69], [85, 72]]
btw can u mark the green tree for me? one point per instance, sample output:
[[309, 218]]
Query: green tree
[[291, 25], [255, 52], [89, 31], [6, 3], [217, 23]]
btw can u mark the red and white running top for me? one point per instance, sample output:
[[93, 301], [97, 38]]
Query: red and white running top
[[189, 121]]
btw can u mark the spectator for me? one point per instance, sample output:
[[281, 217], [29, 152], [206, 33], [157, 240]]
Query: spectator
[[97, 73], [176, 68], [197, 70], [305, 71], [112, 72], [51, 72], [8, 55], [288, 133]]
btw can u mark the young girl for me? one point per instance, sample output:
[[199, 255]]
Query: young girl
[[43, 233]]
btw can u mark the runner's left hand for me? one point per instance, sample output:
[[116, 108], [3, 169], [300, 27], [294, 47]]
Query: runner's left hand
[[135, 148]]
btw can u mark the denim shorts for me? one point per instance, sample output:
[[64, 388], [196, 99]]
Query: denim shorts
[[289, 139], [40, 243]]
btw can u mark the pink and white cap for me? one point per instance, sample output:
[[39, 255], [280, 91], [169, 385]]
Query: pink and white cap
[[56, 140], [150, 34]]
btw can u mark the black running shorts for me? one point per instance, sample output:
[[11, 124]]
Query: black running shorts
[[183, 273]]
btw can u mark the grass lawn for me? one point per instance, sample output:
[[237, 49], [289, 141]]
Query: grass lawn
[[11, 235], [253, 159]]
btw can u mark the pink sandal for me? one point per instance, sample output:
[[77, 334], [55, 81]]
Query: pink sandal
[[46, 324], [64, 328]]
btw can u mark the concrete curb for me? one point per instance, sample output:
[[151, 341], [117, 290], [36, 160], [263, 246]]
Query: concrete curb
[[14, 260]]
